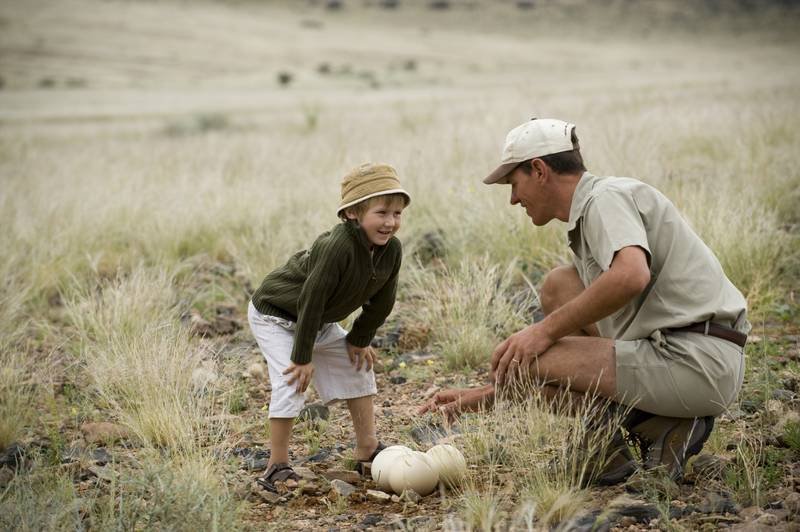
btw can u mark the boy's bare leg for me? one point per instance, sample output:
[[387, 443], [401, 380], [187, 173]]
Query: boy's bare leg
[[280, 432], [362, 412]]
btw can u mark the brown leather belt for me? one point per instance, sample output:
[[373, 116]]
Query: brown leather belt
[[713, 329]]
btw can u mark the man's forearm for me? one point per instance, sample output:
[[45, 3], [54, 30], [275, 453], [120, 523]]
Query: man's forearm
[[609, 293]]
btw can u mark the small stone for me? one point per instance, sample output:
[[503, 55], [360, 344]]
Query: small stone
[[104, 473], [767, 519], [715, 503], [709, 466], [750, 513], [627, 506], [342, 488], [395, 498], [101, 456], [420, 522], [254, 459], [411, 496], [750, 406], [780, 514], [103, 432], [321, 456], [371, 520], [378, 496], [343, 475], [397, 379], [268, 496], [783, 395], [305, 473], [291, 483]]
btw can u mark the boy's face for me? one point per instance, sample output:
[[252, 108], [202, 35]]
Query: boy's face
[[382, 220]]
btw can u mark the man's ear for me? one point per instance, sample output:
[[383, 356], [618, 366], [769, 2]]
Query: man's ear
[[350, 214], [540, 170]]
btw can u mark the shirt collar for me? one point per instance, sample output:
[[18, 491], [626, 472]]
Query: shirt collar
[[358, 234], [579, 199]]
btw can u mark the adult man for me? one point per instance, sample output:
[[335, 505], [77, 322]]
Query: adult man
[[644, 316]]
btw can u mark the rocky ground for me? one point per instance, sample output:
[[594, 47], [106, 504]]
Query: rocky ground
[[752, 486]]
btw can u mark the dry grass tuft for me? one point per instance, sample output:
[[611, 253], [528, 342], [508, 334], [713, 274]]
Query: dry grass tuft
[[544, 452], [140, 359], [468, 308]]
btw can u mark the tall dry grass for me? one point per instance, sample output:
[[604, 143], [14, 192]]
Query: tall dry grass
[[107, 195], [469, 307], [140, 358], [17, 382], [538, 455]]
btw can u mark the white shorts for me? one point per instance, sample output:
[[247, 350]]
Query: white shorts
[[335, 378]]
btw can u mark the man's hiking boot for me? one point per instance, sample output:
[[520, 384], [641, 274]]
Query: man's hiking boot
[[666, 444], [595, 458], [615, 465]]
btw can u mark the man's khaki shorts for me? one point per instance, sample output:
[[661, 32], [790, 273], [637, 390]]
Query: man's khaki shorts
[[679, 374]]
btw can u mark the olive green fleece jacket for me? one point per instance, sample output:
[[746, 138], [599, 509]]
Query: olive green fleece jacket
[[328, 282]]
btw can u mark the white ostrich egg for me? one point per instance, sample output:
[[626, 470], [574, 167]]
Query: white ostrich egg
[[413, 471], [383, 462], [448, 462]]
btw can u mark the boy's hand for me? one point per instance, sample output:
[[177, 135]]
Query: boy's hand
[[301, 374], [360, 355]]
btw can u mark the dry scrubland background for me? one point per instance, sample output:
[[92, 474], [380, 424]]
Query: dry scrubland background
[[145, 147]]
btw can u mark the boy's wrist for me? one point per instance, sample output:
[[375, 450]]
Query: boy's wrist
[[359, 340]]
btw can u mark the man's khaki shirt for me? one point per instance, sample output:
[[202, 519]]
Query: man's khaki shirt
[[687, 283]]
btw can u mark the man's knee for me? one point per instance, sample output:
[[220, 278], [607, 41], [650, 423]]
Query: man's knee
[[559, 286]]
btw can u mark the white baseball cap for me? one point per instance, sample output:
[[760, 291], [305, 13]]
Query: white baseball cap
[[535, 138]]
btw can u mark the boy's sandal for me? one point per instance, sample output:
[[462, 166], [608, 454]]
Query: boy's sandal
[[361, 465], [277, 473]]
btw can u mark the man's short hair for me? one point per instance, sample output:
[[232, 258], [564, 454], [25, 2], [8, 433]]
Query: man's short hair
[[566, 162]]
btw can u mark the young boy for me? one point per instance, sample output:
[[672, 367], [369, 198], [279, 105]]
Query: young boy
[[294, 314]]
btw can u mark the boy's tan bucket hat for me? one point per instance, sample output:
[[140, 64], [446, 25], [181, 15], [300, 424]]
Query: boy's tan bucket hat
[[535, 138], [367, 181]]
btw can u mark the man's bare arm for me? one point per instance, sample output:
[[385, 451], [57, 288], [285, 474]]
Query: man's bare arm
[[626, 278]]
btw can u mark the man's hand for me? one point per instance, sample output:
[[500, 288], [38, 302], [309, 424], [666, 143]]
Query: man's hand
[[361, 355], [455, 401], [301, 374], [516, 354]]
